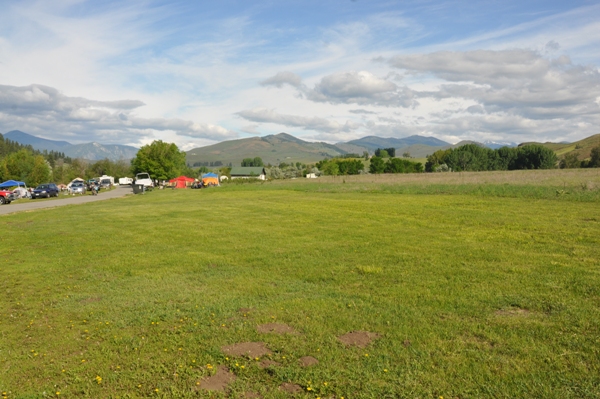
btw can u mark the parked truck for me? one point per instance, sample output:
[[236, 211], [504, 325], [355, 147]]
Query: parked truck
[[144, 179]]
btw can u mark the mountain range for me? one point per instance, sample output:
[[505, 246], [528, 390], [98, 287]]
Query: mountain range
[[89, 151], [273, 149]]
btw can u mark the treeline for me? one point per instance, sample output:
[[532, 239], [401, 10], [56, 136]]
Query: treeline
[[256, 161], [385, 152], [212, 164], [471, 157], [394, 165], [337, 166], [33, 169], [8, 147], [571, 160]]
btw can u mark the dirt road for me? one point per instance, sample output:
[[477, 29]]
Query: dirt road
[[120, 191]]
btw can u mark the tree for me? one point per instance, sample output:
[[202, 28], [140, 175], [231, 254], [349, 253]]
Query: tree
[[381, 153], [163, 161], [366, 155], [406, 154], [330, 168], [570, 161], [594, 158], [39, 173], [534, 156], [256, 161], [377, 165]]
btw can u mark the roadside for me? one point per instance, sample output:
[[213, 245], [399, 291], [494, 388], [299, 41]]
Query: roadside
[[121, 191]]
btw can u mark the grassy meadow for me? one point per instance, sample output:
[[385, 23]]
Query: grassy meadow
[[479, 286]]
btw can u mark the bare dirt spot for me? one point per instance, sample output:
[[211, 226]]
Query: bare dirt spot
[[275, 328], [91, 300], [219, 381], [514, 311], [263, 364], [250, 349], [251, 395], [406, 343], [245, 310], [290, 388], [358, 338], [307, 361]]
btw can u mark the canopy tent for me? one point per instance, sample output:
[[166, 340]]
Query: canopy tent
[[210, 178], [12, 183], [181, 181]]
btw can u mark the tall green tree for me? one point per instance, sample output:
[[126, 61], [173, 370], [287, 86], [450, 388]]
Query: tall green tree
[[377, 165], [595, 158], [161, 160]]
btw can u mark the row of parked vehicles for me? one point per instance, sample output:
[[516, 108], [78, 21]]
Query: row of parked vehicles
[[47, 190]]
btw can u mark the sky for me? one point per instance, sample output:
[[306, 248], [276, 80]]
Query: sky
[[197, 73]]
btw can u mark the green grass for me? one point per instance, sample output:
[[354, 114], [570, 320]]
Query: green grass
[[475, 294]]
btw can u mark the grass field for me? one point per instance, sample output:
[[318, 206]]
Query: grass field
[[479, 286]]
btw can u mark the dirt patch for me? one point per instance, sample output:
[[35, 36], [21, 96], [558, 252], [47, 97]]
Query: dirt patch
[[514, 311], [307, 361], [91, 300], [250, 349], [290, 388], [406, 343], [358, 338], [251, 395], [245, 310], [275, 328], [219, 381], [268, 363]]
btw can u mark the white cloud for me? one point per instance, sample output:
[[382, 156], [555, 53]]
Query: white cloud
[[38, 108], [282, 78], [264, 115]]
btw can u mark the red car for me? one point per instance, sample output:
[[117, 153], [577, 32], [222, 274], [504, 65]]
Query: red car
[[6, 197]]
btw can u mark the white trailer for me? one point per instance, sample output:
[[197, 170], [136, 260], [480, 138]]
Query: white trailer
[[125, 180]]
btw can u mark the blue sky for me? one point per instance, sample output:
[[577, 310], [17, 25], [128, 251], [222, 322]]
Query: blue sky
[[196, 73]]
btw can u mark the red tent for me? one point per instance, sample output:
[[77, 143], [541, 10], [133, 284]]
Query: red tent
[[181, 181]]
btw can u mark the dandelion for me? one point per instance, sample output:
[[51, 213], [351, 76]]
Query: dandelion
[[308, 388], [325, 383], [57, 393], [385, 370], [366, 355], [156, 390]]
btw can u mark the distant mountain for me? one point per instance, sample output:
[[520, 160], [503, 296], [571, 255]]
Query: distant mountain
[[494, 145], [374, 142], [37, 142], [272, 149], [581, 148], [90, 151], [95, 151]]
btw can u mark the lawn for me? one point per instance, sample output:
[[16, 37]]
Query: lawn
[[472, 293]]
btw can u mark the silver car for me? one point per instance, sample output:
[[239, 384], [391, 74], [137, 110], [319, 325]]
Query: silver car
[[77, 188]]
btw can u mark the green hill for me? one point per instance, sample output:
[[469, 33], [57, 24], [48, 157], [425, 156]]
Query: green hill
[[582, 147], [273, 149]]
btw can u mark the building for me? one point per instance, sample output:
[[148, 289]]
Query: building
[[248, 172]]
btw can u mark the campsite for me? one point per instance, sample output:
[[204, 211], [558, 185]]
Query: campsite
[[460, 285]]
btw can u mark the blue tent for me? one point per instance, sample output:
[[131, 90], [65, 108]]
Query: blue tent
[[12, 183], [209, 175]]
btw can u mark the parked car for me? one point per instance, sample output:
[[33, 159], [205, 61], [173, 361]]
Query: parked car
[[78, 188], [105, 183], [45, 191], [6, 197]]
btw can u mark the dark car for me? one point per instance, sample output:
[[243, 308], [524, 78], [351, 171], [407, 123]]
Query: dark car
[[45, 191]]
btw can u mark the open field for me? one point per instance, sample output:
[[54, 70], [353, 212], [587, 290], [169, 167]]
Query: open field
[[478, 286]]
